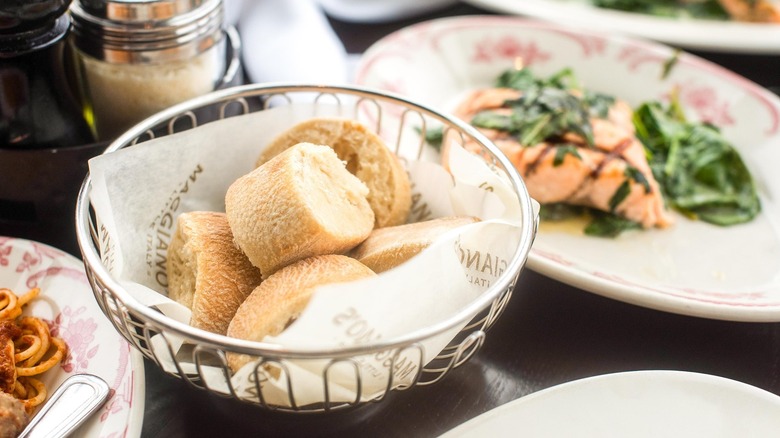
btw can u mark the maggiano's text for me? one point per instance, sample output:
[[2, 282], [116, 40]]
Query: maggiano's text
[[482, 266], [359, 331], [161, 228]]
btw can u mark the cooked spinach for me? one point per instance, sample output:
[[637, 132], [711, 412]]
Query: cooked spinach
[[700, 173], [705, 9], [609, 225], [560, 211], [600, 224]]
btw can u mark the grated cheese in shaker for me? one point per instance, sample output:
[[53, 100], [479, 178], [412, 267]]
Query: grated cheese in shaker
[[136, 58]]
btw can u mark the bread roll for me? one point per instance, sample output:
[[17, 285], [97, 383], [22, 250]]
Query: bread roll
[[301, 203], [367, 157], [388, 247], [281, 298], [207, 273]]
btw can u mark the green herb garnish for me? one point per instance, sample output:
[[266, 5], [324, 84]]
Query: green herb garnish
[[562, 151], [598, 103], [634, 173], [670, 63], [620, 195], [540, 114], [433, 136]]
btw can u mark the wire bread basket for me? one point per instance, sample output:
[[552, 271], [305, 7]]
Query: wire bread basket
[[199, 358]]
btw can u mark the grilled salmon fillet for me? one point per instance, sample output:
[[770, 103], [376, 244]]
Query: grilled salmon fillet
[[611, 174], [757, 11]]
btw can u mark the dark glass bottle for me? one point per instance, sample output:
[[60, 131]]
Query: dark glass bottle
[[37, 104], [45, 141]]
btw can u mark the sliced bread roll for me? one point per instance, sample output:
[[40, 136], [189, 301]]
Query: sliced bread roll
[[301, 203], [388, 247], [367, 157], [281, 298], [207, 273]]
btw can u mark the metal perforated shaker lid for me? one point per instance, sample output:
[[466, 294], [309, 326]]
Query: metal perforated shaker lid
[[142, 31]]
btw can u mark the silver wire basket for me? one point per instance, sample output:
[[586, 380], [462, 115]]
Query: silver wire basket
[[139, 324]]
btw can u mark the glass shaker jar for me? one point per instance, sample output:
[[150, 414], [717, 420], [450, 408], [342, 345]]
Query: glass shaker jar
[[137, 57]]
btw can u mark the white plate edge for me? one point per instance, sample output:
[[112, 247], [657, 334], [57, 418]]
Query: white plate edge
[[675, 32], [669, 375]]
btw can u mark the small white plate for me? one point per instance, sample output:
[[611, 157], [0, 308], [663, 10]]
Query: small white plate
[[634, 404], [711, 35], [66, 302], [692, 268]]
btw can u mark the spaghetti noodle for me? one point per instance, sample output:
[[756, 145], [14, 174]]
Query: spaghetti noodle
[[27, 350]]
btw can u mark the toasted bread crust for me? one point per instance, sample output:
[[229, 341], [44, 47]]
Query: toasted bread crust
[[366, 157], [301, 203], [206, 271], [388, 247], [282, 297]]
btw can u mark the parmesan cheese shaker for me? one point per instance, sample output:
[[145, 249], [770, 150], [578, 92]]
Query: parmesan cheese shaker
[[138, 57]]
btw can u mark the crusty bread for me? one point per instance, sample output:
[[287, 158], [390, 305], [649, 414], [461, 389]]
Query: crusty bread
[[206, 271], [367, 157], [301, 203], [388, 247], [281, 298]]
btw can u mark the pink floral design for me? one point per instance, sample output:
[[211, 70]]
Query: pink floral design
[[29, 262], [590, 44], [4, 253], [704, 102], [77, 324], [712, 297], [507, 48], [122, 398], [636, 56], [80, 335], [557, 258], [79, 330]]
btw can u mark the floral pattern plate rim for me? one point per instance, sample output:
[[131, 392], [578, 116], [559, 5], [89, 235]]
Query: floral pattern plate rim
[[692, 268], [710, 35], [66, 302]]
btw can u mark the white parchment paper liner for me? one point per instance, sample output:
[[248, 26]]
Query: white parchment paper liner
[[138, 192]]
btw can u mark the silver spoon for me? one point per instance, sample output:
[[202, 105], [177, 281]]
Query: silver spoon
[[79, 396]]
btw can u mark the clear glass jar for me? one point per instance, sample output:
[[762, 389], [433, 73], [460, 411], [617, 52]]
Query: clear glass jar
[[136, 58]]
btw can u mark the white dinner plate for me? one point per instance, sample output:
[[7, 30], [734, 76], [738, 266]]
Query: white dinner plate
[[710, 35], [634, 404], [67, 304], [691, 268]]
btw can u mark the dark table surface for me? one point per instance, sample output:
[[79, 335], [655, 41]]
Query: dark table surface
[[550, 333]]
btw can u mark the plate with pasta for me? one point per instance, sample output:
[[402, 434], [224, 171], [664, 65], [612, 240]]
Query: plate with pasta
[[51, 327]]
